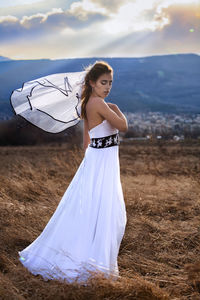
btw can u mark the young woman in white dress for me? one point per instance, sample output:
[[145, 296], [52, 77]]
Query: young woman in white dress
[[85, 232]]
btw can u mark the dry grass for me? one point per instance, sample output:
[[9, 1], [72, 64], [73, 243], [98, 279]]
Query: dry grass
[[159, 255]]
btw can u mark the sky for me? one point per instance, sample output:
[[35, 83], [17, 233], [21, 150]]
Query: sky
[[56, 29]]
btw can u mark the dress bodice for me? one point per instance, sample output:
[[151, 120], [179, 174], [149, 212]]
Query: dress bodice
[[103, 129]]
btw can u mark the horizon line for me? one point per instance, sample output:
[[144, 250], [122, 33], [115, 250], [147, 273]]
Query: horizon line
[[94, 57]]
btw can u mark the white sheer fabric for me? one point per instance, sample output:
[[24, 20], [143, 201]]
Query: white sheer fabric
[[88, 225], [51, 102]]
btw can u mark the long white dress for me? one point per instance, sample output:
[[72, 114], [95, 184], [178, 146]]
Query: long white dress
[[88, 225]]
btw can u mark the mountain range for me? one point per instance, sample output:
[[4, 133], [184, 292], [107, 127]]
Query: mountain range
[[167, 83], [3, 58]]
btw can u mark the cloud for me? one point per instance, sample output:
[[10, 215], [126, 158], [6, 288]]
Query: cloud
[[102, 28], [180, 34], [133, 17], [51, 22], [9, 3], [111, 6], [182, 19], [29, 9]]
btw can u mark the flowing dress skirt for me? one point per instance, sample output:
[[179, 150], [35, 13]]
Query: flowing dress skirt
[[88, 225]]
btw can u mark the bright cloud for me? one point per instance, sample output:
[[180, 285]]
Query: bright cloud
[[135, 17], [104, 28]]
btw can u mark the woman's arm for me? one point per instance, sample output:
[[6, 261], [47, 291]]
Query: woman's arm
[[116, 109], [113, 114], [86, 137]]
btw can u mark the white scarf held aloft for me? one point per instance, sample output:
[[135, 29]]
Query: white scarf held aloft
[[52, 103]]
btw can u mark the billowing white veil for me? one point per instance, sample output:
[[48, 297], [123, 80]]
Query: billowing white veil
[[52, 103]]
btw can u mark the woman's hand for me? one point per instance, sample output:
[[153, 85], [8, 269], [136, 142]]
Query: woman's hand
[[113, 114], [112, 106]]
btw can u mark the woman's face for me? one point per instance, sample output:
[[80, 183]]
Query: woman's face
[[102, 86]]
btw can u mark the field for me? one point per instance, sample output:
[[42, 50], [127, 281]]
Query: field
[[159, 256]]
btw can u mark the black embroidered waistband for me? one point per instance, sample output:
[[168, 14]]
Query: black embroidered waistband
[[105, 142]]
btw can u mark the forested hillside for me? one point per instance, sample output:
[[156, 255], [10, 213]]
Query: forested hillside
[[168, 83]]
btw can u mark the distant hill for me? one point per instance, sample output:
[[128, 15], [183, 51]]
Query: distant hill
[[3, 58], [168, 83]]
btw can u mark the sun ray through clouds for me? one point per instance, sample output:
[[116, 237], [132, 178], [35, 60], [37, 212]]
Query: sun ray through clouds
[[97, 27]]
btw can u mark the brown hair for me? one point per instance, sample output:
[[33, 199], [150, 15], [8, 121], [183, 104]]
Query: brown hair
[[94, 72]]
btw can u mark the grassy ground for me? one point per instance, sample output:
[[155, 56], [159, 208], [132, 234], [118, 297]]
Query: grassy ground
[[159, 255]]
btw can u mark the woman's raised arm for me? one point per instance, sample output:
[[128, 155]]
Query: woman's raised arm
[[113, 115]]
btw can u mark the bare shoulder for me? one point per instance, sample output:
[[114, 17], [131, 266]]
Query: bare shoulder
[[96, 101], [96, 105]]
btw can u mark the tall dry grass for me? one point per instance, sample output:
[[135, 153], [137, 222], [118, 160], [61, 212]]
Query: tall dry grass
[[159, 255]]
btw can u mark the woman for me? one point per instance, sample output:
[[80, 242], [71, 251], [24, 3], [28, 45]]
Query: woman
[[85, 232]]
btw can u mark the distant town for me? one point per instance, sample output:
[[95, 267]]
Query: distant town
[[163, 125], [141, 126]]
